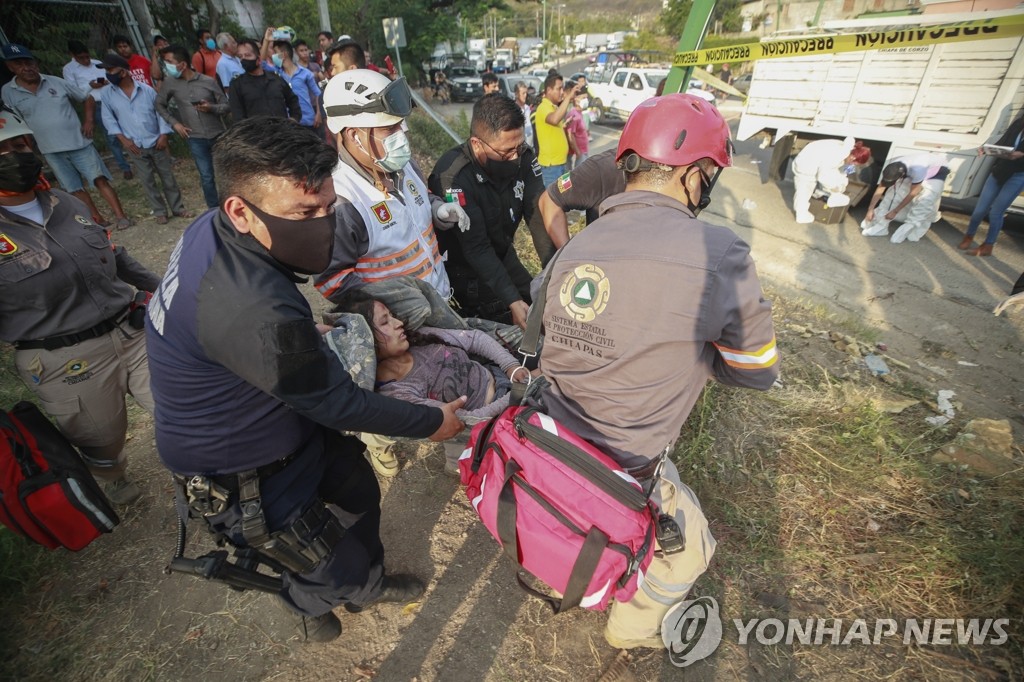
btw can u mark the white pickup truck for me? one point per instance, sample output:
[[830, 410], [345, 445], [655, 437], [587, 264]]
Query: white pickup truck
[[627, 87]]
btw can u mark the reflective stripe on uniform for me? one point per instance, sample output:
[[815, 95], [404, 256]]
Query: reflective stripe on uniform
[[763, 357]]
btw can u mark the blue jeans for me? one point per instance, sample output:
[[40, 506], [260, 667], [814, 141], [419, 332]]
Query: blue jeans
[[202, 154], [993, 202], [551, 173]]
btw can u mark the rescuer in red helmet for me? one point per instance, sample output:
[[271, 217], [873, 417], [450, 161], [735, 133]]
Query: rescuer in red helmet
[[642, 309]]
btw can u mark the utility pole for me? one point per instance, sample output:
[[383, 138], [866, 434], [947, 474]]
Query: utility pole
[[325, 15], [544, 25]]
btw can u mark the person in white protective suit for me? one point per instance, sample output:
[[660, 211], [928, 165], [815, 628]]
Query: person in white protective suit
[[825, 164], [909, 191]]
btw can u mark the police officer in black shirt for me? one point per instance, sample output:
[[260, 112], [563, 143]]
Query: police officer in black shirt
[[495, 177], [250, 400]]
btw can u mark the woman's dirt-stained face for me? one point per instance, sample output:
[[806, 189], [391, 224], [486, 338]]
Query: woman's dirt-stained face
[[389, 332]]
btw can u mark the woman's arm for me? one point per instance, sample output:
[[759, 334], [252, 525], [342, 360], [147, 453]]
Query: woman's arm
[[476, 342], [404, 390]]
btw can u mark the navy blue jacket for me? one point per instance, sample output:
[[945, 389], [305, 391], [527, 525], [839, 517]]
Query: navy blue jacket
[[240, 375]]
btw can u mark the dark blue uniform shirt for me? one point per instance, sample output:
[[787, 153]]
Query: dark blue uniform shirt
[[240, 374]]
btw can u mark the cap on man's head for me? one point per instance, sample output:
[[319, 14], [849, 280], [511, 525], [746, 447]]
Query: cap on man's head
[[15, 51], [115, 61], [157, 38]]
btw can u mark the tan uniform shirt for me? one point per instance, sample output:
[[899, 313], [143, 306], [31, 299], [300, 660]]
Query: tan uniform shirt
[[643, 307]]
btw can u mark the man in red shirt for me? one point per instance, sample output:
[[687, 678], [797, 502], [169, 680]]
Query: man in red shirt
[[141, 68], [205, 60]]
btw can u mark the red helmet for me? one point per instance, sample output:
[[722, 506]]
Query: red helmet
[[676, 130]]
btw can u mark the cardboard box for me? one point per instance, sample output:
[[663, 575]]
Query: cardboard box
[[824, 214]]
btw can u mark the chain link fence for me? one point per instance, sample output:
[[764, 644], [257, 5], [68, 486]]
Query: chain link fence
[[46, 26]]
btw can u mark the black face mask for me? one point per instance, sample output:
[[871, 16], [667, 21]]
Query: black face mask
[[250, 65], [302, 246], [19, 171], [115, 78], [706, 186], [502, 170]]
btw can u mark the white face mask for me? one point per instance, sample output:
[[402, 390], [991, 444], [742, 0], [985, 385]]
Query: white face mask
[[584, 103], [397, 152]]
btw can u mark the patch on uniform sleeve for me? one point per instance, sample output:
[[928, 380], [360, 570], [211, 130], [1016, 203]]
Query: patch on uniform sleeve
[[7, 247], [299, 364], [454, 194], [536, 168], [382, 212], [564, 183], [83, 220], [585, 292]]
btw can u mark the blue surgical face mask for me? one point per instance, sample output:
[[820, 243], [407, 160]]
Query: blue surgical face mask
[[211, 44], [172, 70], [850, 169], [397, 152], [278, 61]]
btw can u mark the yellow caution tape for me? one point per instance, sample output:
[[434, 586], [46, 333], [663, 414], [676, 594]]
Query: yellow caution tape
[[981, 29]]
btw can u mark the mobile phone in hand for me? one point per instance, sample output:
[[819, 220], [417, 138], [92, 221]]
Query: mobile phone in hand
[[390, 66]]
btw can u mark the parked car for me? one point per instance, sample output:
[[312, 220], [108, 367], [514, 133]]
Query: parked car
[[742, 83], [507, 84], [465, 83], [628, 87]]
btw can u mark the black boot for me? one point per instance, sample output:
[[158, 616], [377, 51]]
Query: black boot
[[323, 628], [398, 588]]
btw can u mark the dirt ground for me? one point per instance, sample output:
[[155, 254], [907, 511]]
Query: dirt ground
[[111, 613]]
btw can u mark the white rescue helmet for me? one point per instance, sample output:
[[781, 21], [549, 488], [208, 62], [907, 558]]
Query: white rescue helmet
[[12, 125], [361, 98]]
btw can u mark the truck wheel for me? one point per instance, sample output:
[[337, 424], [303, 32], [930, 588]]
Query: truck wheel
[[598, 108]]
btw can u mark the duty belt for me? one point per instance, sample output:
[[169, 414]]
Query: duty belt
[[298, 548], [55, 342]]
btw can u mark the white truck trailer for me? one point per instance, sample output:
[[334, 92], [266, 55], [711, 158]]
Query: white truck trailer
[[946, 97]]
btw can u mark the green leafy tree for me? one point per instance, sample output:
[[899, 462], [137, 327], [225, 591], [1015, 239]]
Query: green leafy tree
[[673, 18]]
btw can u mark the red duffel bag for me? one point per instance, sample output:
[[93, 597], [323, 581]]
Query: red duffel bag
[[46, 492]]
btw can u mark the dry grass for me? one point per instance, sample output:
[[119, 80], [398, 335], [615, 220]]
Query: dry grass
[[828, 508]]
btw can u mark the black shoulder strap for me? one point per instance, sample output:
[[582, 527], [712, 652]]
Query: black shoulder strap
[[534, 321], [448, 174]]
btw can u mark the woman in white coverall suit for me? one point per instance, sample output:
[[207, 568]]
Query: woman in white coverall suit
[[826, 163]]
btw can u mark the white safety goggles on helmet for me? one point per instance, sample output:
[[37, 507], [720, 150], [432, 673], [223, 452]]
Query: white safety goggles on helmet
[[395, 99]]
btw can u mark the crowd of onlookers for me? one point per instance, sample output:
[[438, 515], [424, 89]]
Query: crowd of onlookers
[[136, 102]]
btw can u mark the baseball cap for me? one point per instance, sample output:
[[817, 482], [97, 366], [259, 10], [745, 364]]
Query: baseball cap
[[15, 51], [115, 61]]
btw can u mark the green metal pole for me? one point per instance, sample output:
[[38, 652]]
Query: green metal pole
[[817, 15], [693, 35]]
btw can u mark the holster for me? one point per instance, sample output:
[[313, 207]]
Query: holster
[[299, 548]]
